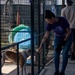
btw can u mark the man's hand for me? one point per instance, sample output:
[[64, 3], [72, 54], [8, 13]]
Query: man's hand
[[43, 40], [40, 49], [68, 30]]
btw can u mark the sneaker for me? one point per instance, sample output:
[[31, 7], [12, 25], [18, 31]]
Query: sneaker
[[56, 73], [61, 73]]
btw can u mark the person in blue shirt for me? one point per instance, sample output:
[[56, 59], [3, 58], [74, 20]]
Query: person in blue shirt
[[62, 39]]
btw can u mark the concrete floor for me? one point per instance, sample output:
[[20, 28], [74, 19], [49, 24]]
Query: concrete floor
[[10, 68], [49, 69]]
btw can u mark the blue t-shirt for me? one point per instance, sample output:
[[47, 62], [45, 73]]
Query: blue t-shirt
[[59, 27]]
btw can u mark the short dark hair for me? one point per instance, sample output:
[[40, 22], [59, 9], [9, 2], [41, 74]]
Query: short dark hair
[[69, 2], [49, 14]]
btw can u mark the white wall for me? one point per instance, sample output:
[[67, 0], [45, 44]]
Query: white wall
[[59, 2]]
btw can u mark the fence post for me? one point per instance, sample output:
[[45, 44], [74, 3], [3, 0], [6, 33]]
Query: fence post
[[17, 59], [44, 1], [0, 39], [39, 35], [32, 37]]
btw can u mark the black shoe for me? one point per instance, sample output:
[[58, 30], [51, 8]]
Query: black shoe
[[61, 73], [56, 73], [72, 56]]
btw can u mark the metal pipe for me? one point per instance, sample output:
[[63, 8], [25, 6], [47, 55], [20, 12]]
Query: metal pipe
[[39, 34], [0, 39], [18, 59], [32, 37]]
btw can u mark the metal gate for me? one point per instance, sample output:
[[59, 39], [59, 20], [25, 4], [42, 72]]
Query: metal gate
[[29, 15]]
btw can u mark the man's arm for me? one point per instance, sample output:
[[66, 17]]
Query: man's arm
[[44, 40], [68, 34], [59, 47]]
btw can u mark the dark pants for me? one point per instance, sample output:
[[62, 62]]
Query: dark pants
[[65, 53], [73, 42]]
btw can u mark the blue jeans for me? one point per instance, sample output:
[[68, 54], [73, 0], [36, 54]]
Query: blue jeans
[[65, 53]]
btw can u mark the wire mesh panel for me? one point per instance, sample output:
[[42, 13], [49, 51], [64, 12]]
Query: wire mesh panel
[[56, 9], [16, 27], [6, 19], [23, 22], [15, 13]]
